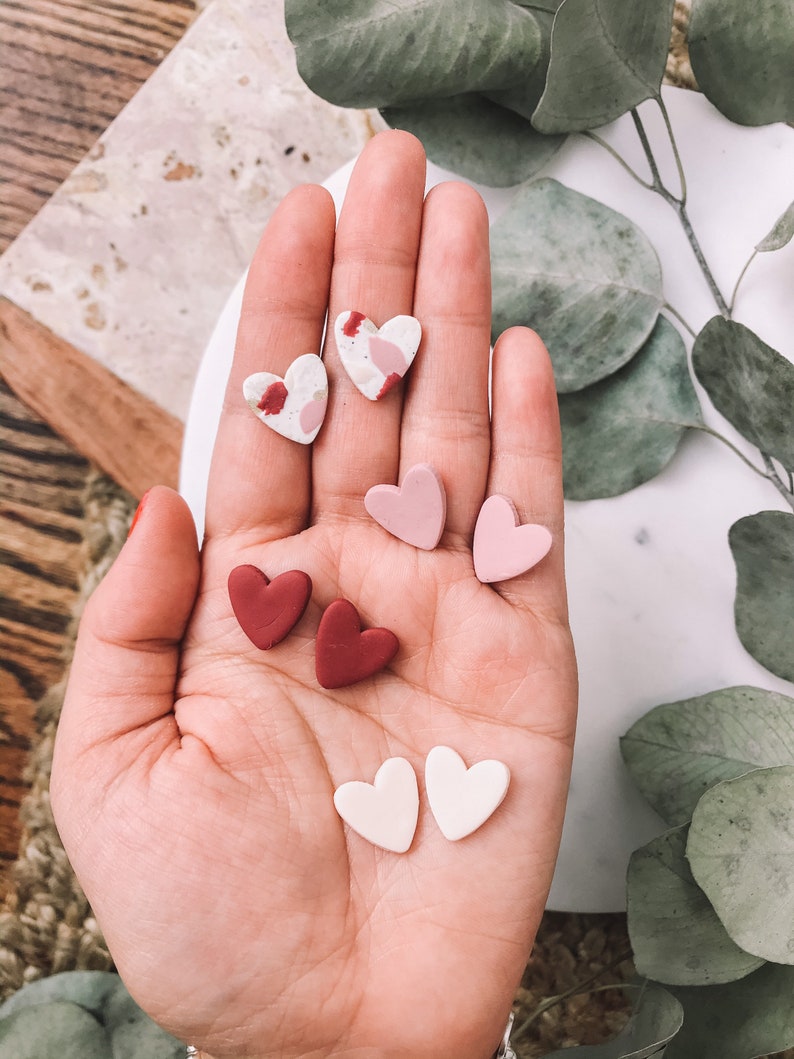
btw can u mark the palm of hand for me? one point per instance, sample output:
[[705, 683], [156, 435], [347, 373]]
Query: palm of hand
[[287, 934]]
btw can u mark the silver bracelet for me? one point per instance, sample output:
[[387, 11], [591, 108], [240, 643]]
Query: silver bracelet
[[504, 1051]]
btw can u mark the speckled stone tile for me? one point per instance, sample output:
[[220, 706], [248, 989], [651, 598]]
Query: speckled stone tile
[[133, 257]]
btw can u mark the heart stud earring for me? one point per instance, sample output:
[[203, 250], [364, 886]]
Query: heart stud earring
[[414, 512], [384, 812], [295, 405], [268, 610], [344, 654], [376, 358], [502, 547], [462, 799]]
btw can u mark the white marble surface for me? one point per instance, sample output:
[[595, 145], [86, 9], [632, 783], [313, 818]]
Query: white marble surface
[[650, 575], [134, 256]]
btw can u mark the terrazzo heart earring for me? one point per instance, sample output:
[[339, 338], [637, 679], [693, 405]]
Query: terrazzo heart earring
[[376, 358], [294, 406]]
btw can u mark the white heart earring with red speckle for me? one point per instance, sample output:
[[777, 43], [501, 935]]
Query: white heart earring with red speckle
[[294, 406], [376, 358]]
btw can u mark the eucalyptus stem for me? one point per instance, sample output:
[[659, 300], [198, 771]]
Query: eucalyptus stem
[[618, 158], [681, 320], [770, 474], [679, 206], [674, 146], [580, 987], [747, 264], [777, 481], [728, 444]]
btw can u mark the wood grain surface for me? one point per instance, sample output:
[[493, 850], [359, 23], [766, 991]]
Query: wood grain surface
[[67, 67], [130, 437], [42, 480]]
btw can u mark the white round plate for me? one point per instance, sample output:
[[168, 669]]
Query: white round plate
[[650, 576]]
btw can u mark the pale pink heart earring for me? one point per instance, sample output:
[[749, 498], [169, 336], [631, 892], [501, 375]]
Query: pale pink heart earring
[[503, 548]]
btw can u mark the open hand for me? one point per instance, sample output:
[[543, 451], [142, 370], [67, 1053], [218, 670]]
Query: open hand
[[194, 774]]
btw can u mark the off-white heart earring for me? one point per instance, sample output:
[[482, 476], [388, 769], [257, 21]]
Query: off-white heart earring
[[463, 799], [383, 812]]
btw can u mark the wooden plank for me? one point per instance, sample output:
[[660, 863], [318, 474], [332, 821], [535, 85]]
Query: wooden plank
[[67, 67], [42, 482], [130, 437]]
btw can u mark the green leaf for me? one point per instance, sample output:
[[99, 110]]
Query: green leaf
[[740, 1020], [134, 1035], [676, 935], [741, 851], [624, 430], [476, 138], [586, 278], [763, 550], [524, 97], [749, 383], [781, 233], [656, 1021], [606, 57], [58, 1029], [377, 53], [101, 1005], [742, 58], [677, 751]]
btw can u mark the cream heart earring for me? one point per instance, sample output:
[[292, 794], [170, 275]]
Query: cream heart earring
[[386, 811]]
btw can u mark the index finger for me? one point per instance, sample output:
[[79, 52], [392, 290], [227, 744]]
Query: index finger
[[259, 481]]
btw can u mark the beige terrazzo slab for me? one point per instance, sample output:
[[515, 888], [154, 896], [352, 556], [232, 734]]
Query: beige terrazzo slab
[[132, 259]]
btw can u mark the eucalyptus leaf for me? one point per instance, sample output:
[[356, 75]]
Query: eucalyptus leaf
[[749, 383], [585, 277], [524, 97], [676, 935], [763, 550], [740, 1020], [781, 233], [741, 851], [104, 1021], [60, 1030], [742, 58], [476, 138], [377, 53], [92, 990], [656, 1021], [677, 751], [626, 429], [606, 57]]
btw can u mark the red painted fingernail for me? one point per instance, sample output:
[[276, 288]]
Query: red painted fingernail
[[138, 512]]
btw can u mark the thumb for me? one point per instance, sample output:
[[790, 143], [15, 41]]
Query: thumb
[[126, 658]]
